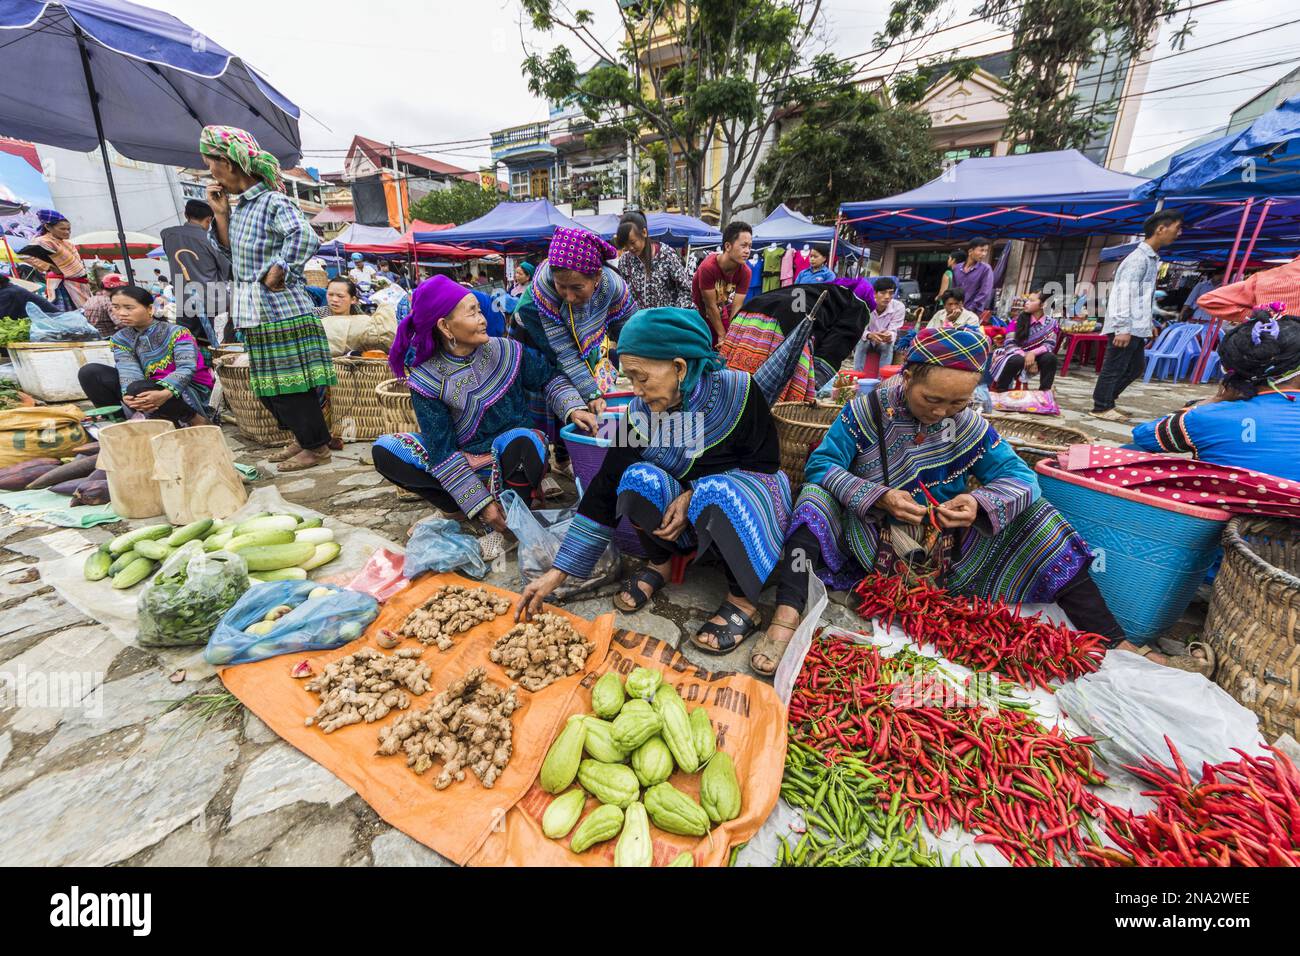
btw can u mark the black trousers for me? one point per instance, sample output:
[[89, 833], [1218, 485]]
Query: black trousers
[[1119, 369], [300, 413], [522, 470], [102, 387], [1080, 599], [645, 515], [1047, 363]]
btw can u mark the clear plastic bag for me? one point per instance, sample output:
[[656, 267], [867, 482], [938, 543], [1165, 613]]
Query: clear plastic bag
[[315, 624], [189, 595], [65, 327], [1130, 704], [438, 544], [540, 533]]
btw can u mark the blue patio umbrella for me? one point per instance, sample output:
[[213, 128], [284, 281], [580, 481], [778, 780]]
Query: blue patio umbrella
[[85, 73]]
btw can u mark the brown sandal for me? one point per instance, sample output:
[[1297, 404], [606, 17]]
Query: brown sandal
[[770, 648]]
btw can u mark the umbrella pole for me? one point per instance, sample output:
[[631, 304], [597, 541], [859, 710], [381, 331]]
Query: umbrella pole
[[103, 152]]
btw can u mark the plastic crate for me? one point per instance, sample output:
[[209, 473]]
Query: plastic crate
[[1152, 554], [586, 454], [48, 370]]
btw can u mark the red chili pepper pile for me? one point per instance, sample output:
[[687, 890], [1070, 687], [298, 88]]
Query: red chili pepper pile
[[984, 635], [1000, 775], [1242, 813]]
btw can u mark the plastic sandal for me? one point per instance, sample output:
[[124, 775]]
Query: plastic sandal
[[636, 597], [729, 635]]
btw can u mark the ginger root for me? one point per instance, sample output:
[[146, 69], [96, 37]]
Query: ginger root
[[541, 651], [367, 686], [467, 727], [452, 610]]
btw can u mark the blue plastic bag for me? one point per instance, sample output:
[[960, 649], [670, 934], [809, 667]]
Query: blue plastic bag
[[438, 544], [313, 625]]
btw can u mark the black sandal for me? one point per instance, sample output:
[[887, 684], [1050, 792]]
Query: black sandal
[[638, 597], [738, 626]]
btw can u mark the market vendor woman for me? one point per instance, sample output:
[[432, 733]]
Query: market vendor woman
[[705, 477], [269, 241], [470, 393], [893, 449]]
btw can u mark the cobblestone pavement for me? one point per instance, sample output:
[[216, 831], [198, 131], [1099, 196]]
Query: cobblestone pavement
[[143, 778]]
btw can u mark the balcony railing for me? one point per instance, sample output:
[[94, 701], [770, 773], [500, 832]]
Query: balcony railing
[[529, 134]]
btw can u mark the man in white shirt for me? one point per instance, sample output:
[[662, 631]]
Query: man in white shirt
[[361, 270], [954, 312]]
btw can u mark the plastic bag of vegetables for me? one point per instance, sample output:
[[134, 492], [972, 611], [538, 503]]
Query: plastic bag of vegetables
[[284, 617], [188, 596]]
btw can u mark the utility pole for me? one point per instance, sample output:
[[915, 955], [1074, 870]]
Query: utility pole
[[397, 184]]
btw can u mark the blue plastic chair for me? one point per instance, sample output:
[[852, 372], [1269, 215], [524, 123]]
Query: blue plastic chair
[[1212, 364], [1170, 346]]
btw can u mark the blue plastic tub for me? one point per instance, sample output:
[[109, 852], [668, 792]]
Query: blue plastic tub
[[1151, 554]]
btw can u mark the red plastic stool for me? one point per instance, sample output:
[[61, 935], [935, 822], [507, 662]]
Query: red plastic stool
[[677, 567]]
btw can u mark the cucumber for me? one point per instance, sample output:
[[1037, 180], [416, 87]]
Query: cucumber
[[258, 539], [324, 554], [306, 523], [218, 526], [195, 529], [284, 574], [268, 523], [122, 561], [314, 536], [218, 541], [157, 550], [275, 557], [124, 542], [97, 565], [134, 573]]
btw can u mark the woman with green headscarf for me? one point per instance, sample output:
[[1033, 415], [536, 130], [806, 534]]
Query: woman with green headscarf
[[695, 467], [269, 242]]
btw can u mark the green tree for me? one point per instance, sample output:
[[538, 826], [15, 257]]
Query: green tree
[[848, 146], [741, 65], [1052, 40], [461, 203]]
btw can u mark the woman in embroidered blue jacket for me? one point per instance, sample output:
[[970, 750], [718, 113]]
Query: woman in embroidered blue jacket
[[1010, 542], [470, 394], [699, 471]]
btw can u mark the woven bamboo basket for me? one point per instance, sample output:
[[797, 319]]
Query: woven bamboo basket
[[358, 415], [1254, 621], [253, 419], [1034, 440], [396, 408], [801, 428]]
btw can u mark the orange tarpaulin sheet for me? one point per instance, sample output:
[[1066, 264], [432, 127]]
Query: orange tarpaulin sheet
[[501, 826]]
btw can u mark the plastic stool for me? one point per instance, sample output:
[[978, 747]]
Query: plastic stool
[[677, 567]]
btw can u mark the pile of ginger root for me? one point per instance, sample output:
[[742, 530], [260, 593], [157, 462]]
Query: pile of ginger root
[[467, 726], [452, 610], [367, 686], [541, 651]]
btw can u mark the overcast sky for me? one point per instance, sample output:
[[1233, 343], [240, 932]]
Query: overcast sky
[[437, 71]]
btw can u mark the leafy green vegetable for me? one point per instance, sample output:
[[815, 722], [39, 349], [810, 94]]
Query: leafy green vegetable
[[14, 330], [191, 592]]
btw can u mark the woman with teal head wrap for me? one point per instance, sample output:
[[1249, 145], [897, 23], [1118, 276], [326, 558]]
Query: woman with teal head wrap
[[696, 467]]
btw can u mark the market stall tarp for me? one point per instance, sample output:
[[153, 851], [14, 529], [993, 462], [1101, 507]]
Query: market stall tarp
[[786, 227], [672, 228], [378, 240], [1211, 250], [507, 227]]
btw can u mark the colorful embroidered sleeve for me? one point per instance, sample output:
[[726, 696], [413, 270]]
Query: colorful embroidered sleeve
[[831, 467], [621, 302], [447, 464], [582, 547], [1168, 434], [562, 398], [1007, 488], [593, 526], [185, 362], [129, 369], [539, 375], [559, 334]]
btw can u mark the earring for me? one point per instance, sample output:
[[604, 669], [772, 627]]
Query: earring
[[454, 343]]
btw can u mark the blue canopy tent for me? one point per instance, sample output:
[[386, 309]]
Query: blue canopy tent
[[672, 228], [785, 227], [108, 71], [514, 227], [1213, 250]]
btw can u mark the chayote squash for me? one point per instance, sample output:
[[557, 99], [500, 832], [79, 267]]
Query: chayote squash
[[676, 731], [634, 847], [600, 743], [607, 696], [563, 813], [643, 682], [684, 859], [719, 789], [611, 783], [675, 812], [561, 763], [636, 723], [706, 741], [652, 762], [601, 824]]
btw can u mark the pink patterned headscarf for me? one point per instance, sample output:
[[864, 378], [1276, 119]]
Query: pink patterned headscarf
[[579, 250]]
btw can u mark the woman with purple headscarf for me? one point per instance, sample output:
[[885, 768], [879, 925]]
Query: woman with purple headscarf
[[470, 393]]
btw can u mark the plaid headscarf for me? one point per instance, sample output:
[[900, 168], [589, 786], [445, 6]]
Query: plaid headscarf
[[579, 250], [50, 216], [966, 350], [241, 148]]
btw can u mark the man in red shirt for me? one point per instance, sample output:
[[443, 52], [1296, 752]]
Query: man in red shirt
[[722, 280]]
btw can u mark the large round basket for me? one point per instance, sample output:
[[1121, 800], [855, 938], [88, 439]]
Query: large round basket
[[358, 415], [1254, 621], [253, 419], [801, 428], [1035, 440], [395, 407]]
